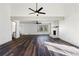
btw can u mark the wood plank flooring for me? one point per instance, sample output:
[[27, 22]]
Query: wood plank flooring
[[30, 45]]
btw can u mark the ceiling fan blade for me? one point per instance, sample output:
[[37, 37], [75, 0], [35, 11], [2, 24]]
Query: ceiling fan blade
[[31, 13], [32, 10], [41, 13], [40, 9]]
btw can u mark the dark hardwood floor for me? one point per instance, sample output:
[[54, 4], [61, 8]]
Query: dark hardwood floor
[[29, 45]]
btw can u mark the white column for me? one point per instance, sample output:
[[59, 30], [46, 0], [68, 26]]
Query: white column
[[17, 33]]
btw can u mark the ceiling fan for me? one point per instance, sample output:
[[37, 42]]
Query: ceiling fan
[[38, 22], [37, 11]]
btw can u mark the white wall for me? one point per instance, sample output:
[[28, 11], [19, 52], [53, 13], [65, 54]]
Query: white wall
[[69, 27], [31, 29], [28, 28], [5, 23]]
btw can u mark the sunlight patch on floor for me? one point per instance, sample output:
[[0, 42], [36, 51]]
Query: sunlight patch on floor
[[62, 49]]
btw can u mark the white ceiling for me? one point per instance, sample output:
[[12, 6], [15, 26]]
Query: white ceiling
[[51, 9], [20, 11], [54, 11]]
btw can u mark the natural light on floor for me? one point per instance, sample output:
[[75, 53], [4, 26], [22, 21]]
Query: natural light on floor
[[63, 49]]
